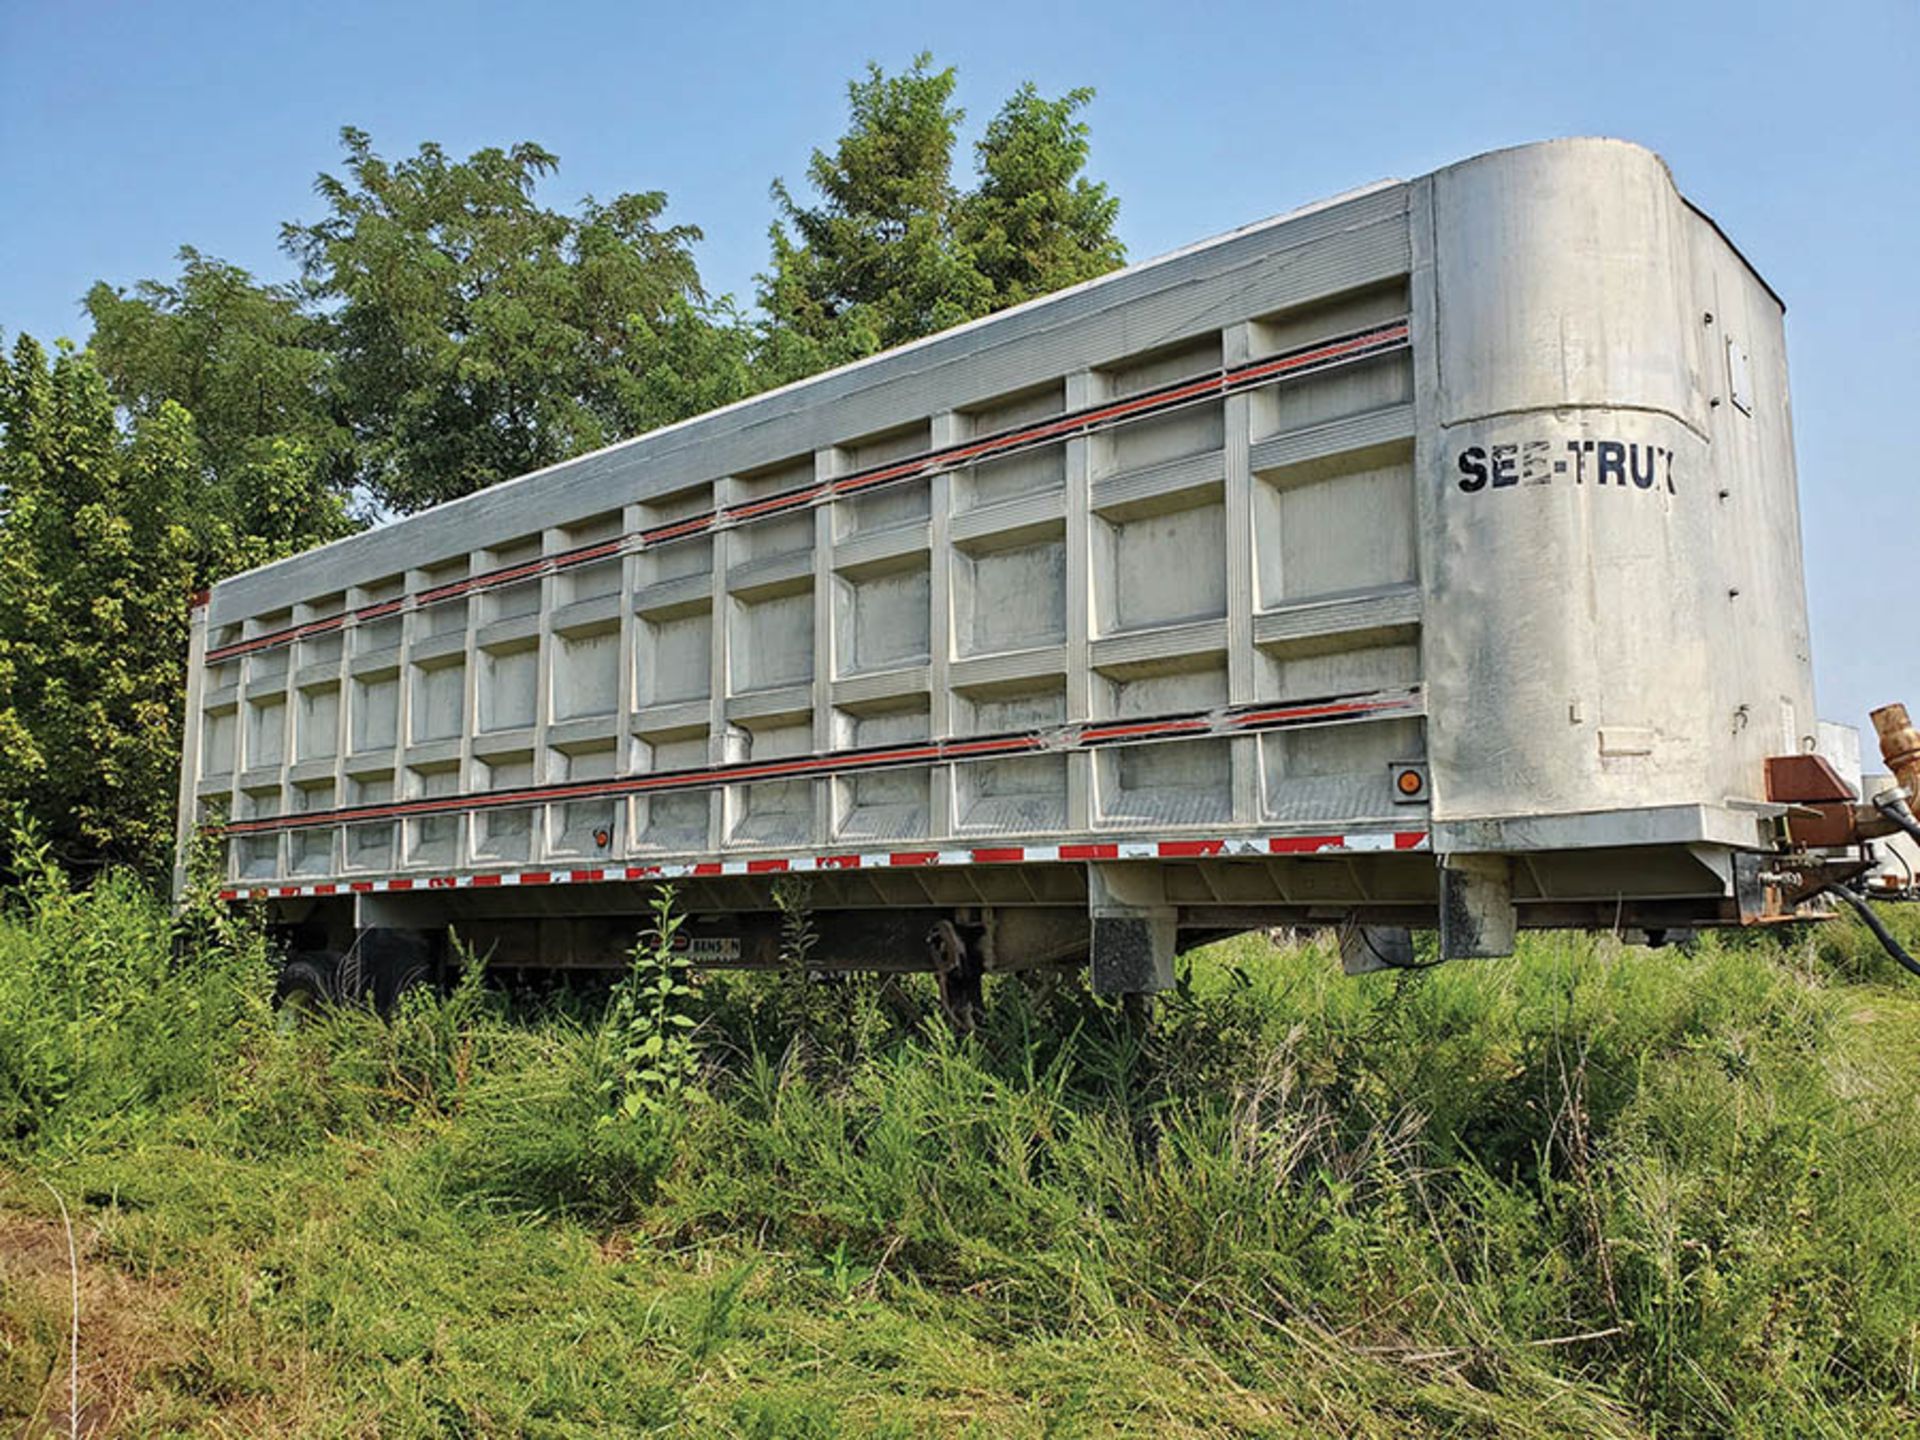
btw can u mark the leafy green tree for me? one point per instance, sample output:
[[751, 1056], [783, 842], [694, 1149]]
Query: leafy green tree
[[244, 359], [692, 359], [1035, 224], [247, 362], [895, 250], [476, 334], [96, 568]]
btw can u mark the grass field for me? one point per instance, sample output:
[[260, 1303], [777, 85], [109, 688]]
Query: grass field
[[1592, 1190]]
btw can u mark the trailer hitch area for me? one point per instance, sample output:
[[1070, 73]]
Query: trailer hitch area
[[1822, 811], [1823, 824], [1779, 888], [1823, 816], [1776, 889]]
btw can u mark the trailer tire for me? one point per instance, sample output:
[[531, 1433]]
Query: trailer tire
[[305, 983]]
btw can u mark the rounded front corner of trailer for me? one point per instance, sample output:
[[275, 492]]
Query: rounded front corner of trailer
[[1616, 618]]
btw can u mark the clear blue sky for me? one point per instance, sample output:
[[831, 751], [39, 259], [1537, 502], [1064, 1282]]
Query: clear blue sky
[[129, 130]]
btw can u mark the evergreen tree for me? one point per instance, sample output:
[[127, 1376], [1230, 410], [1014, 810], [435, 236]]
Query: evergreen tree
[[894, 250], [875, 264], [1035, 224]]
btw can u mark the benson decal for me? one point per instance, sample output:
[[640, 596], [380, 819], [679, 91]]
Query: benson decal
[[1579, 462]]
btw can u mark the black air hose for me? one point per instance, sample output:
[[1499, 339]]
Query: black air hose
[[1880, 932], [1894, 806]]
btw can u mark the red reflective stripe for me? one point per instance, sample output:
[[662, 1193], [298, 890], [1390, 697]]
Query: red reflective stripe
[[959, 749], [765, 867], [1145, 727], [1089, 852], [1000, 856], [710, 867], [1188, 849], [361, 887], [675, 531], [791, 500], [838, 862], [1302, 844], [642, 872], [913, 857], [1409, 840], [1309, 712], [583, 877], [570, 558]]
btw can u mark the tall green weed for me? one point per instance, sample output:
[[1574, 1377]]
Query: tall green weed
[[1587, 1190]]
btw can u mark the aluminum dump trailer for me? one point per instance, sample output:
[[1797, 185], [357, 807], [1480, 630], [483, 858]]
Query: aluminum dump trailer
[[1427, 557]]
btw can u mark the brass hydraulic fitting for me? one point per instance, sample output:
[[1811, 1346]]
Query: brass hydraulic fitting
[[1899, 746]]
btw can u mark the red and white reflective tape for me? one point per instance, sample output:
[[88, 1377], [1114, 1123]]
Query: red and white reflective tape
[[1212, 848]]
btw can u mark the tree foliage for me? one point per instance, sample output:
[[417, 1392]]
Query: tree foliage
[[248, 363], [246, 360], [1035, 223], [96, 567], [875, 263], [476, 334], [895, 250]]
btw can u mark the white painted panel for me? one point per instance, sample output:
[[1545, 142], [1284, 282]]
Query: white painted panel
[[316, 726], [1331, 533], [218, 733], [266, 731], [883, 618], [376, 712], [439, 701], [1161, 569], [1026, 792]]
